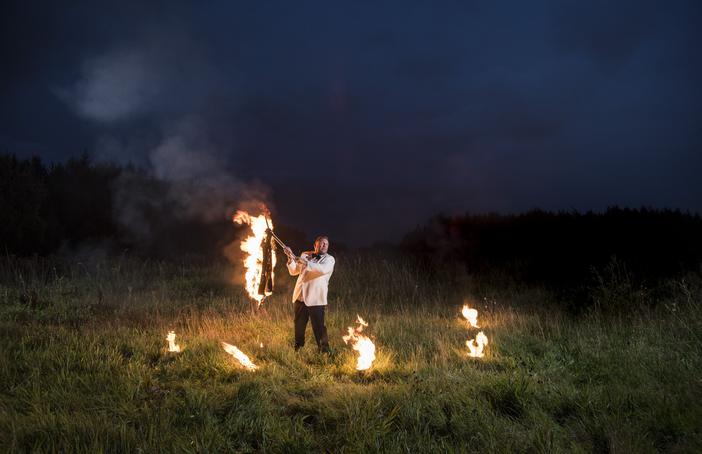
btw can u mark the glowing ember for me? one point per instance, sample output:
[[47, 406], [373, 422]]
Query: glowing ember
[[253, 262], [172, 346], [239, 355], [477, 345], [471, 315], [362, 344]]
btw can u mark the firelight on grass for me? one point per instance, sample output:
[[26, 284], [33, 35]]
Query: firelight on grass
[[362, 344]]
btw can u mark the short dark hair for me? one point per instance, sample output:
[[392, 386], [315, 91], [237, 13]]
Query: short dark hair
[[320, 238]]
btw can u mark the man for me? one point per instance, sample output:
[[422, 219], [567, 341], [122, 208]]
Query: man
[[313, 270]]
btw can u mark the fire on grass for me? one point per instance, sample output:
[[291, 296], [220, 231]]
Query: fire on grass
[[239, 355], [260, 255], [231, 349], [362, 344], [477, 345], [172, 346]]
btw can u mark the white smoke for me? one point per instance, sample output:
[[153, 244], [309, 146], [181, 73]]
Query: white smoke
[[116, 86], [200, 185], [152, 82], [120, 150], [185, 153], [134, 201], [159, 73], [197, 170]]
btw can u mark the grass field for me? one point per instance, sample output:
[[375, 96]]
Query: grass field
[[84, 366]]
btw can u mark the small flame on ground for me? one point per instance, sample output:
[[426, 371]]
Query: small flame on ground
[[477, 345], [471, 315], [252, 246], [362, 344], [239, 355], [172, 346]]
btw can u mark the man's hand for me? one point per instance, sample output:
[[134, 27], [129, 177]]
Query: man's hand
[[293, 258]]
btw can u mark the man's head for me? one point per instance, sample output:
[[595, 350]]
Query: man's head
[[321, 244]]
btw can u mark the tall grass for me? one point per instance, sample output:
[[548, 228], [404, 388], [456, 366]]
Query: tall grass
[[84, 367]]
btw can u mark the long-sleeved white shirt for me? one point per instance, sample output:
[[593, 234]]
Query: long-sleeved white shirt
[[313, 280]]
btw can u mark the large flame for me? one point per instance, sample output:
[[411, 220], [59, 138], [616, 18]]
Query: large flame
[[253, 262], [172, 346], [362, 344], [477, 345], [239, 355]]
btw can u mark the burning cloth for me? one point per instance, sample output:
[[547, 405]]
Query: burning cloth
[[259, 260], [265, 285]]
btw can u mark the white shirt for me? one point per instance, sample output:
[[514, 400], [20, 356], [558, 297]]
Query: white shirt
[[313, 282]]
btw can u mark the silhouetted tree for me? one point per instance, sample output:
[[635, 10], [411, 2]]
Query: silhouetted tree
[[562, 248], [22, 198]]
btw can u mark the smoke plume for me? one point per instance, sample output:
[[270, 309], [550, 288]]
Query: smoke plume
[[188, 177]]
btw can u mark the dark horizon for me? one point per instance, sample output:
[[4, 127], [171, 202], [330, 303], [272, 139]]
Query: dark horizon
[[364, 121]]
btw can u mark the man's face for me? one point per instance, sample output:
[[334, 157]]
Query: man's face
[[321, 246]]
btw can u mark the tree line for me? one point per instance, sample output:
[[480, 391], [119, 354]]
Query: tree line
[[44, 207], [564, 247], [80, 204], [68, 205]]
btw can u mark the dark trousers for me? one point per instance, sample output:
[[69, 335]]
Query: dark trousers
[[316, 313]]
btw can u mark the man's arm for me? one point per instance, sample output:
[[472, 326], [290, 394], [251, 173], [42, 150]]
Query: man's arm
[[293, 267]]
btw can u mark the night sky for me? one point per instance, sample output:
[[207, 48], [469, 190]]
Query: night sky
[[363, 119]]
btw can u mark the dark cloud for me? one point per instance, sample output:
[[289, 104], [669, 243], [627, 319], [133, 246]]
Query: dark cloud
[[432, 68], [607, 32], [362, 120]]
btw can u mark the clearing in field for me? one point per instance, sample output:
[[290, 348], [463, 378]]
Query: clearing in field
[[86, 366]]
